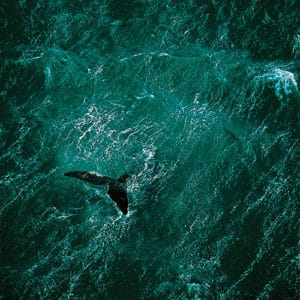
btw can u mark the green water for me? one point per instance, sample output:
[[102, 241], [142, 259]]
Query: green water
[[201, 110]]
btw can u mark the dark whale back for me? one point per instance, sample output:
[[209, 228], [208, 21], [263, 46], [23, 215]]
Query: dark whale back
[[116, 187]]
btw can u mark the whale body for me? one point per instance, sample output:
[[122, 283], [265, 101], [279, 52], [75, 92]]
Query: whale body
[[116, 187]]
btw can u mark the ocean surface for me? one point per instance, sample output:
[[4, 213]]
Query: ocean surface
[[198, 101]]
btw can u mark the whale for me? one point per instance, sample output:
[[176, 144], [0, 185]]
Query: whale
[[117, 190]]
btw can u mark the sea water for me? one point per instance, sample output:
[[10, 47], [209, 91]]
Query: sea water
[[198, 101]]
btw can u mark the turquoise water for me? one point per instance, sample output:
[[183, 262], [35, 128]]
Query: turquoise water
[[198, 101]]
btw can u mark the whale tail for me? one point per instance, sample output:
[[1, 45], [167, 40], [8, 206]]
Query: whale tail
[[116, 187], [123, 178], [89, 177]]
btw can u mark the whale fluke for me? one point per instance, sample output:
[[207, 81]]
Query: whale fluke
[[116, 187]]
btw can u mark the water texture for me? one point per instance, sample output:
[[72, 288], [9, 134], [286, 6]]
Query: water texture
[[198, 101]]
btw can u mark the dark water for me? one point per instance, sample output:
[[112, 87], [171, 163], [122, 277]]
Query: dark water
[[198, 101]]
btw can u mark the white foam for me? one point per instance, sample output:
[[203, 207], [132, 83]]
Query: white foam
[[284, 82]]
